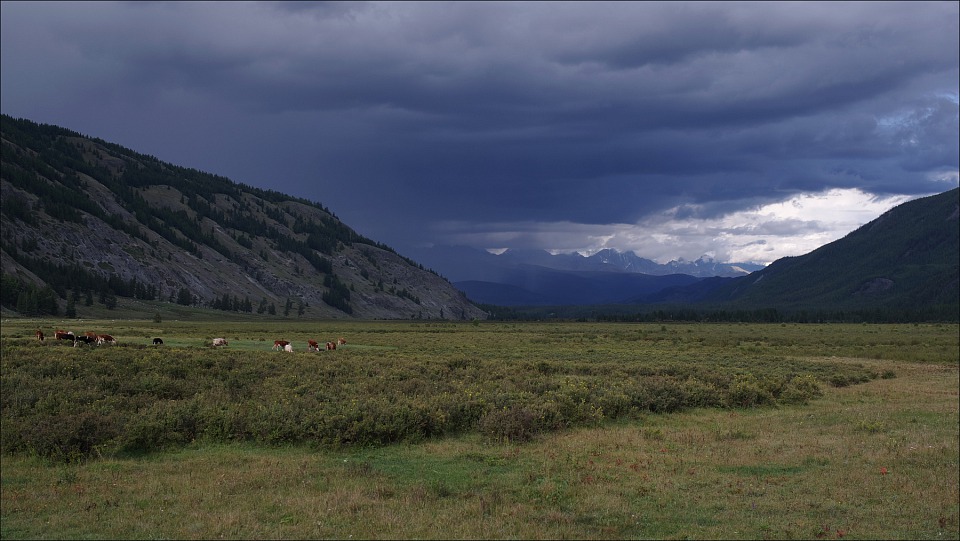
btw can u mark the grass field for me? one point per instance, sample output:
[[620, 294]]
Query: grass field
[[874, 455]]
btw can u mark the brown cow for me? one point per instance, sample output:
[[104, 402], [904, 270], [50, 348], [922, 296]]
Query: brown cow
[[64, 335], [105, 339], [341, 341], [331, 345], [279, 344], [91, 334], [312, 345], [40, 335]]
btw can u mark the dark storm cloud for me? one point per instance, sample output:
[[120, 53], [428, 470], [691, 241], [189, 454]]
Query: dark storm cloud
[[415, 121]]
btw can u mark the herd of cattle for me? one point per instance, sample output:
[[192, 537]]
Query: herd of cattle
[[88, 337], [92, 338], [278, 345]]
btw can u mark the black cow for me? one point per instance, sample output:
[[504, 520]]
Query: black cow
[[157, 342]]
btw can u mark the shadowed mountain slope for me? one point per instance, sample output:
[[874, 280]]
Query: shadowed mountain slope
[[908, 259], [86, 218]]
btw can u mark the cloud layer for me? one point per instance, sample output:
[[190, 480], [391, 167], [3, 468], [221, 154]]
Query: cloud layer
[[675, 129]]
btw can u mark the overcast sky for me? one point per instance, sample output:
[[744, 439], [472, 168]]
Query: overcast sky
[[744, 131]]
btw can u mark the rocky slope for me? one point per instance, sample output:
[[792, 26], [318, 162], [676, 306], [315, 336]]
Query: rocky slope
[[79, 212]]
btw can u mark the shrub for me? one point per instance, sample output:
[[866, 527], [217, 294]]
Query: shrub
[[166, 423], [702, 394], [514, 424], [666, 394], [748, 391], [66, 438], [800, 390]]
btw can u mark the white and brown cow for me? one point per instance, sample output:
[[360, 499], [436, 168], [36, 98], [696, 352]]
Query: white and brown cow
[[312, 345], [279, 344], [219, 342], [64, 335], [288, 348], [105, 339], [40, 336]]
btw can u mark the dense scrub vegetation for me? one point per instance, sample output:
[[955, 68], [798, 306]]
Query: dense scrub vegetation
[[508, 383]]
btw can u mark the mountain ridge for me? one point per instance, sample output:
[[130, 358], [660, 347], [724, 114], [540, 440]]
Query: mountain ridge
[[81, 215], [906, 260]]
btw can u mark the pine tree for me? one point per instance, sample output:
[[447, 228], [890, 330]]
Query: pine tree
[[184, 298], [23, 303]]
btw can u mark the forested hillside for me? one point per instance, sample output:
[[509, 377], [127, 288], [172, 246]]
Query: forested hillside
[[87, 221], [905, 264]]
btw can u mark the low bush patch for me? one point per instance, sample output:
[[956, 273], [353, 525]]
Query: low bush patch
[[69, 403]]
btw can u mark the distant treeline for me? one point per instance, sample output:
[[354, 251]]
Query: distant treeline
[[31, 300], [758, 315], [772, 315]]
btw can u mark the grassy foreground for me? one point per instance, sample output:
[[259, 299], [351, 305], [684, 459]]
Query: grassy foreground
[[875, 460]]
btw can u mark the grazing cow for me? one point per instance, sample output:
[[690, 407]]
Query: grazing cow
[[84, 339], [279, 344], [158, 341], [219, 342], [105, 339], [64, 335], [288, 348], [341, 341], [40, 335], [312, 345], [331, 345]]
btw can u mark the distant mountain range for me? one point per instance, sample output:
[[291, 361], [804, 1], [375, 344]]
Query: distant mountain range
[[462, 263], [537, 277]]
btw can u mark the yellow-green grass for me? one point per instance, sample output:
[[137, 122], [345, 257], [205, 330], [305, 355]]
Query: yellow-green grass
[[912, 342], [867, 461]]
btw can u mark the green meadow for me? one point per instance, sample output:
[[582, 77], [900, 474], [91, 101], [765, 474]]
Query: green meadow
[[481, 430]]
